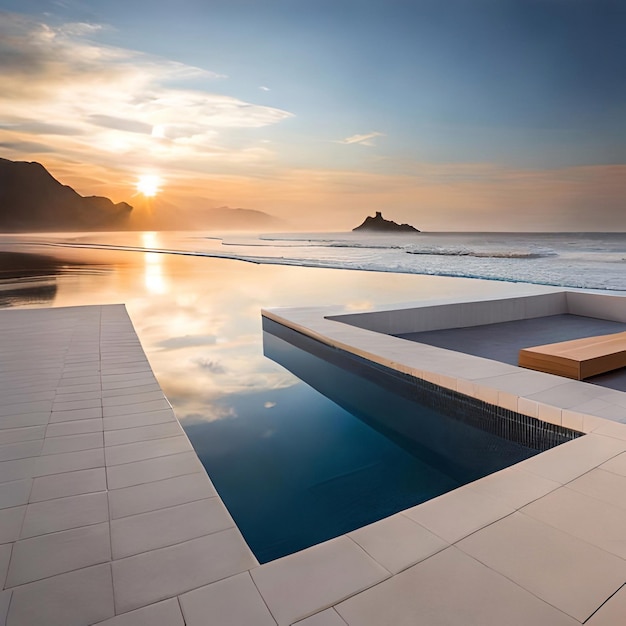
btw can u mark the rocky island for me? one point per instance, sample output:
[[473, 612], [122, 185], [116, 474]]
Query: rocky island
[[378, 224]]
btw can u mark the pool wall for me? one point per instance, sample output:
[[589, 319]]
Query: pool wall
[[442, 315]]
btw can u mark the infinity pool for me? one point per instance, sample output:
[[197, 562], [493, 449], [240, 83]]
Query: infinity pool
[[336, 451]]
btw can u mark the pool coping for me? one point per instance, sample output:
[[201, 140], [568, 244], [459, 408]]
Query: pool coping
[[388, 572]]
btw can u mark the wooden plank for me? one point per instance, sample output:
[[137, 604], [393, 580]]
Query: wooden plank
[[578, 358]]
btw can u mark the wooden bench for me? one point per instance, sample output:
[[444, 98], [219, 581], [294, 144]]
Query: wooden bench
[[579, 358]]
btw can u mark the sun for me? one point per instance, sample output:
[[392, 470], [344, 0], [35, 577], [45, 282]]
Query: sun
[[149, 185]]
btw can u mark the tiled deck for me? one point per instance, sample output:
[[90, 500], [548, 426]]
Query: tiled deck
[[104, 506], [108, 517]]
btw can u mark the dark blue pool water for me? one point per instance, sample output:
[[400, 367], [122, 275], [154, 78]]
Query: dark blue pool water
[[308, 466]]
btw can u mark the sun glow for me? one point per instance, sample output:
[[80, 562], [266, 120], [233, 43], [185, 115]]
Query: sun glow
[[149, 185]]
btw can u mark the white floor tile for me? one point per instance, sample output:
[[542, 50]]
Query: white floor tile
[[16, 470], [588, 518], [15, 493], [74, 405], [304, 583], [20, 450], [565, 572], [572, 459], [138, 419], [234, 600], [65, 551], [64, 513], [76, 427], [75, 599], [5, 601], [23, 408], [617, 465], [142, 433], [141, 450], [458, 513], [514, 486], [5, 557], [150, 470], [132, 409], [166, 613], [28, 433], [397, 542], [20, 421], [75, 414], [10, 523], [603, 485], [612, 612], [152, 576], [157, 495], [133, 399], [68, 484], [166, 527], [129, 391], [69, 462], [72, 443], [449, 588]]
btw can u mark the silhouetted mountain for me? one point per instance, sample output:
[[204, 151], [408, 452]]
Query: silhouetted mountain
[[158, 214], [239, 219], [379, 224], [32, 199]]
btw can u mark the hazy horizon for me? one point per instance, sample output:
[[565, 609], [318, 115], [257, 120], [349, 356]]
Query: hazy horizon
[[478, 116]]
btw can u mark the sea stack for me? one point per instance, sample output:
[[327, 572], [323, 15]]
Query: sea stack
[[379, 224]]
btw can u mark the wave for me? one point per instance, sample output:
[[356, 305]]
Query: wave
[[485, 254], [510, 269]]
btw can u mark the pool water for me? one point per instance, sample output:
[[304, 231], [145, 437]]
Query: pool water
[[325, 458]]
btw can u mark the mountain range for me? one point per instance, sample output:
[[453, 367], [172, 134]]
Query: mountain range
[[31, 199]]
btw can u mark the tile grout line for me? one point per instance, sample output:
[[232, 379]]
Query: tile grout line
[[607, 600], [249, 572], [106, 474], [489, 567]]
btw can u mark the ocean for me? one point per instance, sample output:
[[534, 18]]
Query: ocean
[[575, 260]]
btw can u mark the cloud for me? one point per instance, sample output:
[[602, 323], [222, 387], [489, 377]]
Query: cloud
[[264, 88], [188, 341], [210, 366], [41, 128], [120, 123], [364, 140], [162, 109], [26, 146]]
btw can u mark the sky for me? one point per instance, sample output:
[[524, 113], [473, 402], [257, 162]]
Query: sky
[[447, 114]]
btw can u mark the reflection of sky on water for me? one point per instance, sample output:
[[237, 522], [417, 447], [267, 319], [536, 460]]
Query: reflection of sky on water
[[295, 469], [199, 318]]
